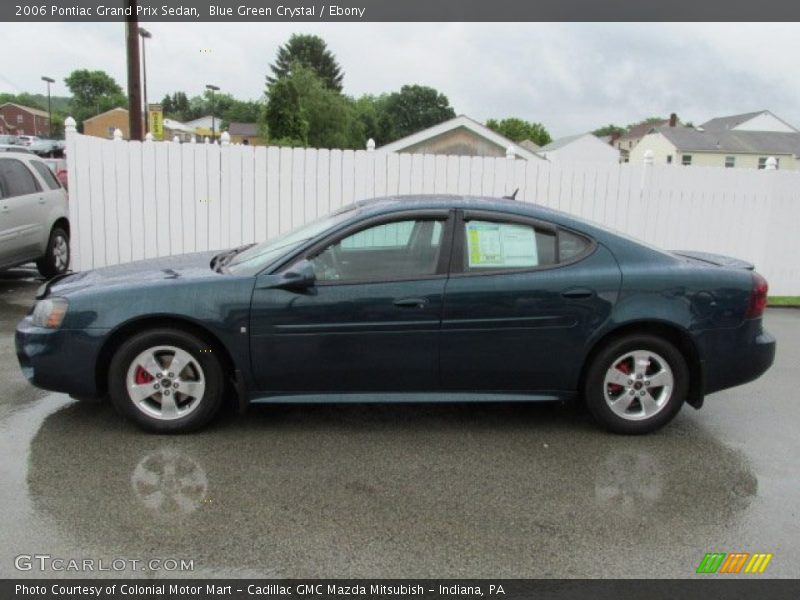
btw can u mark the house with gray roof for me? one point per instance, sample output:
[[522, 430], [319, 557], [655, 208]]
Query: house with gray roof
[[737, 141]]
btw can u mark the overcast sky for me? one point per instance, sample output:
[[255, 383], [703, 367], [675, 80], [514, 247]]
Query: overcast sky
[[572, 77]]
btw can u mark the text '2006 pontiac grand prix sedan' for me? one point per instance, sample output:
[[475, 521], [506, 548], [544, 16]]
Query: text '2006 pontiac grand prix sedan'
[[413, 298]]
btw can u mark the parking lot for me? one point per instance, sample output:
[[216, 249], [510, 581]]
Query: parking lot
[[456, 490]]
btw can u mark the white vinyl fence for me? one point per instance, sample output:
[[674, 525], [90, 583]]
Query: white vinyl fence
[[135, 200]]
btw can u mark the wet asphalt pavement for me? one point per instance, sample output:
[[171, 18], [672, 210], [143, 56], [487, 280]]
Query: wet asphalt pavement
[[465, 490]]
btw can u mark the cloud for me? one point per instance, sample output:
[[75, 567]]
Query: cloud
[[572, 77]]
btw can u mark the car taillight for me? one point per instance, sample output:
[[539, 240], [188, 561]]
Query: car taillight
[[758, 297]]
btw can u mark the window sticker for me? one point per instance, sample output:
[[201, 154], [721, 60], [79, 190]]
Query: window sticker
[[504, 245]]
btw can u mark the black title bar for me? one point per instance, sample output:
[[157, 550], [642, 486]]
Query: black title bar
[[401, 10], [400, 589]]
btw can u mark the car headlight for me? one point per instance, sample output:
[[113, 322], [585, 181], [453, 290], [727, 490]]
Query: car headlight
[[50, 312]]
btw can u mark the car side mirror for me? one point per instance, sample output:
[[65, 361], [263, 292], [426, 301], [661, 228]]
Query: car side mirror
[[300, 276]]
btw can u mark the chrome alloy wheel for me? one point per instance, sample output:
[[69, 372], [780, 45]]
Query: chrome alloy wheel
[[165, 382], [638, 385], [60, 253]]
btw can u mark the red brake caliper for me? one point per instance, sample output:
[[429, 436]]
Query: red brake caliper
[[622, 367], [142, 376]]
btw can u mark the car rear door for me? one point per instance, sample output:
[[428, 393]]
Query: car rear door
[[21, 212], [522, 300], [371, 321]]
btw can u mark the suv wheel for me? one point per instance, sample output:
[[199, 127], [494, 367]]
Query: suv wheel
[[56, 258]]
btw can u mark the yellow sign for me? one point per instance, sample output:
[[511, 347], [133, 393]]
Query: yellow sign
[[155, 121]]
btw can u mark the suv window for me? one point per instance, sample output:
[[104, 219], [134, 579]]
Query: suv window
[[497, 245], [396, 250], [46, 174], [16, 179]]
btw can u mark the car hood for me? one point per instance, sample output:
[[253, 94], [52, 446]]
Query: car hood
[[180, 267]]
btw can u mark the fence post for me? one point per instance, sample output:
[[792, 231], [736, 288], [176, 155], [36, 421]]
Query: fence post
[[148, 137], [772, 164], [193, 140], [117, 135], [511, 154], [71, 139], [225, 138], [176, 139], [649, 160], [370, 145]]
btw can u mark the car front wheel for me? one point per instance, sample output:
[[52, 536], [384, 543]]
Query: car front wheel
[[166, 381], [636, 384]]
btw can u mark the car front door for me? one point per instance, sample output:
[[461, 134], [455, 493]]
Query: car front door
[[522, 300], [20, 210], [370, 322]]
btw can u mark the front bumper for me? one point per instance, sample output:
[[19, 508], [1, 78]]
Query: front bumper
[[60, 360], [736, 356]]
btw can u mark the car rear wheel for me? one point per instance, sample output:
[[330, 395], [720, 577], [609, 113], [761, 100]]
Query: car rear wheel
[[636, 384], [167, 381], [56, 258]]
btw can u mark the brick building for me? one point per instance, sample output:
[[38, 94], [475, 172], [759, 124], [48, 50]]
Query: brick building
[[16, 119]]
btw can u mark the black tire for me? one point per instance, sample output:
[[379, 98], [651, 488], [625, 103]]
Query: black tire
[[596, 390], [52, 264], [210, 373]]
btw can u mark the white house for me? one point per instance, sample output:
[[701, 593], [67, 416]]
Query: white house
[[737, 141], [584, 147], [460, 136]]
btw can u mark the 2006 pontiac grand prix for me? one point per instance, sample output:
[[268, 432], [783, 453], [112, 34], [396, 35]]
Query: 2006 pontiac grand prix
[[433, 298]]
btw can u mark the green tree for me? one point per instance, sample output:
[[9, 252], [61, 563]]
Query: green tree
[[609, 130], [309, 51], [303, 111], [413, 108], [518, 130], [93, 92], [176, 106]]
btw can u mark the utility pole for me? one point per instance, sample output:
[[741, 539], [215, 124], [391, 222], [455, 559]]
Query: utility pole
[[134, 73], [212, 89], [49, 80], [145, 35]]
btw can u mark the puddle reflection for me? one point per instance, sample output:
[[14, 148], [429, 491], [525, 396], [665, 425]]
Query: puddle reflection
[[384, 490]]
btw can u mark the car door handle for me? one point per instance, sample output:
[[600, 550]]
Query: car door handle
[[410, 302], [577, 293], [42, 200]]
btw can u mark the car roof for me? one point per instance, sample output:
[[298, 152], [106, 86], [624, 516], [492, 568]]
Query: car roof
[[13, 148], [465, 202]]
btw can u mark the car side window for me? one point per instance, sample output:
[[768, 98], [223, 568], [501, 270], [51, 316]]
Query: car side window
[[46, 174], [17, 179], [396, 250], [571, 245], [500, 245]]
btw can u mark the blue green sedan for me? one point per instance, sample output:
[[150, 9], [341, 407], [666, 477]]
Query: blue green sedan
[[421, 298]]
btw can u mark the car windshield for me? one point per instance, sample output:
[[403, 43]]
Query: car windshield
[[256, 258]]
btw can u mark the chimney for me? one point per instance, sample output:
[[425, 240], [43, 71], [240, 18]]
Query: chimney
[[673, 120]]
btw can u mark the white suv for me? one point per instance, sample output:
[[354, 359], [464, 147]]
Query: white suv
[[33, 215]]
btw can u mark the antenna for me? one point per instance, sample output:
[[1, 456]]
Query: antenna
[[512, 196]]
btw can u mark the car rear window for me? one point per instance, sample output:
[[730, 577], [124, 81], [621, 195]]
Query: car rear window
[[17, 179], [46, 174]]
